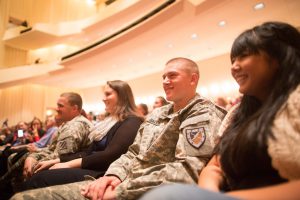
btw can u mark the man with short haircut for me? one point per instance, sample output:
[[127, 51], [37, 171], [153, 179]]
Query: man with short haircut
[[172, 145], [72, 135]]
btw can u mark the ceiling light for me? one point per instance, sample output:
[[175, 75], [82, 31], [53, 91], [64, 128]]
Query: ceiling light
[[222, 23], [194, 36], [259, 6], [170, 45], [91, 2]]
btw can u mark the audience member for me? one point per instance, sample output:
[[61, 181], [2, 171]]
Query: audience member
[[92, 118], [159, 102], [143, 109], [221, 101], [22, 134], [20, 153], [20, 150], [7, 136], [173, 145], [36, 129], [111, 138], [259, 154], [101, 116], [72, 135]]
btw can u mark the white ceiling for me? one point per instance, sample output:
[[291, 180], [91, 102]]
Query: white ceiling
[[143, 50]]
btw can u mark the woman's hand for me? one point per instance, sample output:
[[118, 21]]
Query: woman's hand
[[61, 165], [45, 165], [76, 163], [211, 177]]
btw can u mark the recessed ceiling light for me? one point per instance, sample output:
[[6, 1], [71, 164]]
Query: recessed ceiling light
[[194, 36], [259, 6], [222, 23], [170, 45], [91, 2]]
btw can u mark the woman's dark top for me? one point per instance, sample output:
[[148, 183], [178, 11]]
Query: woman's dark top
[[95, 160], [102, 153]]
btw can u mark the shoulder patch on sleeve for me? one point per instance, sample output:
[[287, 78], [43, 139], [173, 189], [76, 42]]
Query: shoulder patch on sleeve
[[195, 136], [63, 145]]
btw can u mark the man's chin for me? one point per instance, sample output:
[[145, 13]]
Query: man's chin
[[169, 98]]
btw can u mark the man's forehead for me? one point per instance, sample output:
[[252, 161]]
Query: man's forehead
[[62, 100], [174, 67]]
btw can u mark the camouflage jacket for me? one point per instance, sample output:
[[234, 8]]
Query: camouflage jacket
[[71, 138], [169, 147]]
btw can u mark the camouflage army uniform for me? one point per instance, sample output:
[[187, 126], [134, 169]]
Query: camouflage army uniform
[[169, 147], [71, 137]]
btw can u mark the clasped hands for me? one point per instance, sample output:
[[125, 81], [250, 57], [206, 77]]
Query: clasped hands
[[102, 188]]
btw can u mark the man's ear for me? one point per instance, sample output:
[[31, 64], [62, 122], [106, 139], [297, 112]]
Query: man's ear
[[194, 78], [75, 107]]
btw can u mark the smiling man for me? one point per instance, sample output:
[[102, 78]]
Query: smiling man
[[72, 135], [172, 145]]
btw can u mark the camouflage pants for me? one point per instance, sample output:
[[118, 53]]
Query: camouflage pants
[[57, 192]]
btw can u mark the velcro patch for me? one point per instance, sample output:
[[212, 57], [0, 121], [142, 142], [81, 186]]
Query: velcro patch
[[63, 145], [151, 121], [195, 136]]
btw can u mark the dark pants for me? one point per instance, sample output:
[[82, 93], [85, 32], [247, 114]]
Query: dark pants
[[58, 177]]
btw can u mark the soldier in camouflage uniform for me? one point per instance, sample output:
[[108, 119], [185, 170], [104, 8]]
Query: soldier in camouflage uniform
[[172, 145], [72, 135]]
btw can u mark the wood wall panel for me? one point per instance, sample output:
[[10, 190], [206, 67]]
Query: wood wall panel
[[4, 4], [27, 101]]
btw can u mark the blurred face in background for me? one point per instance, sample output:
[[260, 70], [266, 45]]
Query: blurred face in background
[[22, 126], [36, 124], [50, 122], [157, 103], [110, 99]]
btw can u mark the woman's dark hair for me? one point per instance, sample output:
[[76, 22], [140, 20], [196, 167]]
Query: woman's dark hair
[[253, 120], [126, 105]]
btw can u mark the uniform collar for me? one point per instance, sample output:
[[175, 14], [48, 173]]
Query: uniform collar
[[167, 111]]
